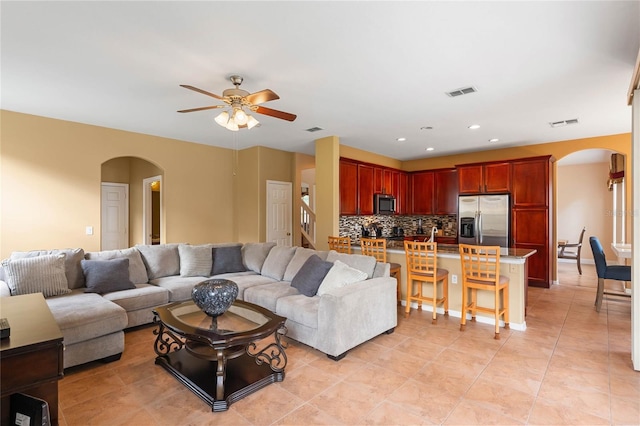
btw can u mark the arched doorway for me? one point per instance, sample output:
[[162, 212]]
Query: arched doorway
[[132, 171]]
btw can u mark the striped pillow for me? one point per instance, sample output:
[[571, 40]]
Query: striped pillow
[[40, 274], [195, 261]]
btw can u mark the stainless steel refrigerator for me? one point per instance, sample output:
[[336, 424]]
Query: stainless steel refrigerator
[[484, 220]]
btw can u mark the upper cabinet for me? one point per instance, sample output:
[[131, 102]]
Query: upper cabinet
[[445, 191], [484, 178], [359, 181], [531, 183], [422, 184]]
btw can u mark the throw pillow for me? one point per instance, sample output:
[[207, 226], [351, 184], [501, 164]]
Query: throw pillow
[[276, 262], [161, 260], [41, 274], [195, 261], [340, 275], [254, 255], [137, 270], [106, 276], [227, 259], [363, 263], [310, 275], [72, 269]]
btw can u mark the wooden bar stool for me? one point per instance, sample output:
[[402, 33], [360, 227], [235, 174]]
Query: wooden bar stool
[[481, 271], [377, 247], [340, 244], [422, 267]]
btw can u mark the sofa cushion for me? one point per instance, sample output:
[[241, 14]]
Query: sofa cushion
[[140, 297], [105, 276], [366, 264], [84, 316], [161, 260], [268, 294], [310, 275], [340, 275], [195, 261], [227, 259], [41, 274], [276, 262], [72, 268], [137, 270], [254, 255], [300, 309], [179, 288], [299, 258]]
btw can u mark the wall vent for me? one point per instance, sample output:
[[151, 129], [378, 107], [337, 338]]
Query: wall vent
[[314, 129], [461, 91], [563, 123]]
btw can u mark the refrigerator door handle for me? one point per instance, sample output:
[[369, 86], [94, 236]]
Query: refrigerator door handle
[[476, 228], [480, 227]]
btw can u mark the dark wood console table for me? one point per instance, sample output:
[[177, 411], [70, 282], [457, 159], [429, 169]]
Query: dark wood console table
[[31, 358]]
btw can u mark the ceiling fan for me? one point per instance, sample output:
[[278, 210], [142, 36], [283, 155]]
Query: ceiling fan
[[236, 100]]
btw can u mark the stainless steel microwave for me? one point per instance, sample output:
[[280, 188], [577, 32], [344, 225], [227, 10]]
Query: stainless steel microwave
[[384, 204]]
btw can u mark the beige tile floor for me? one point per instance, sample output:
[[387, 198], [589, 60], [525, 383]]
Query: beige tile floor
[[570, 367]]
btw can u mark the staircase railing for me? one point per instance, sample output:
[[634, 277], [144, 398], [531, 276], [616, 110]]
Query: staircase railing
[[308, 224]]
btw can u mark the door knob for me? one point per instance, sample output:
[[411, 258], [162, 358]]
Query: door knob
[[288, 233]]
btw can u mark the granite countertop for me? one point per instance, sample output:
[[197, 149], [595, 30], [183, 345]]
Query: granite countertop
[[452, 249]]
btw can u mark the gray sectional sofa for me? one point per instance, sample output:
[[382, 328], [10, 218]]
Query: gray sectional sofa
[[332, 302]]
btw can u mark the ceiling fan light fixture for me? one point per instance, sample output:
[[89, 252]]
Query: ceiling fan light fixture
[[232, 125], [251, 122], [240, 117], [222, 118]]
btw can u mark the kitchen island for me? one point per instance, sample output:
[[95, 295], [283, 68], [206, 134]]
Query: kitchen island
[[513, 264]]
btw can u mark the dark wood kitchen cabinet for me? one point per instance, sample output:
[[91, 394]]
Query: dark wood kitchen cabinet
[[484, 178], [422, 191], [531, 215], [400, 190], [365, 189], [445, 192], [348, 188]]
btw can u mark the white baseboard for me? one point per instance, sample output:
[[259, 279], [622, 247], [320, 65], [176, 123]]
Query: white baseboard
[[479, 318], [582, 261]]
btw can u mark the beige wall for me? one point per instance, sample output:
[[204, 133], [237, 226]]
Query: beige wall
[[584, 200], [50, 175]]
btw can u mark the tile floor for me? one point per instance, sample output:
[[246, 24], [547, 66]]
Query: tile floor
[[570, 367]]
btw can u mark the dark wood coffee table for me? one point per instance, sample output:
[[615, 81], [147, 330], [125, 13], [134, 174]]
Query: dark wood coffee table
[[224, 360]]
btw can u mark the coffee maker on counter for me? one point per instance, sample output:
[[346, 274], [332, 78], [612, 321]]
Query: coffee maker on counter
[[420, 230]]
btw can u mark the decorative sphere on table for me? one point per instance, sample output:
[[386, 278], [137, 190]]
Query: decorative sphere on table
[[214, 297]]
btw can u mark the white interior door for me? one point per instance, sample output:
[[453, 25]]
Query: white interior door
[[279, 205], [114, 216]]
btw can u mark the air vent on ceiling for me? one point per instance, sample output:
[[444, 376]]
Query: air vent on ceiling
[[564, 123], [314, 129], [461, 91]]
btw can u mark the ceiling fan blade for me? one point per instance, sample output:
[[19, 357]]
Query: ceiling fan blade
[[275, 113], [202, 108], [204, 92], [262, 96]]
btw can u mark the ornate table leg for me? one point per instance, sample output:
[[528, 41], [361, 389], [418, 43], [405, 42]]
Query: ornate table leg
[[220, 375], [166, 341], [273, 353]]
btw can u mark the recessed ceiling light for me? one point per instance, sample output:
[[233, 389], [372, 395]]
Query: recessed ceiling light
[[401, 139], [430, 148], [474, 126], [494, 140]]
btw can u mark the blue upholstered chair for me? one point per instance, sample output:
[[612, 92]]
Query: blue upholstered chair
[[605, 272]]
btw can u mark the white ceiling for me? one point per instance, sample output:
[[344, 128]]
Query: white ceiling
[[367, 72]]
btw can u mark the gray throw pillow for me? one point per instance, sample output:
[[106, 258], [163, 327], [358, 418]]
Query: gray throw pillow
[[227, 259], [41, 274], [137, 270], [106, 276], [301, 255], [310, 275]]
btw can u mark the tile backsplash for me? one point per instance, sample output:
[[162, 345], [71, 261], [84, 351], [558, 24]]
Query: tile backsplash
[[352, 225]]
